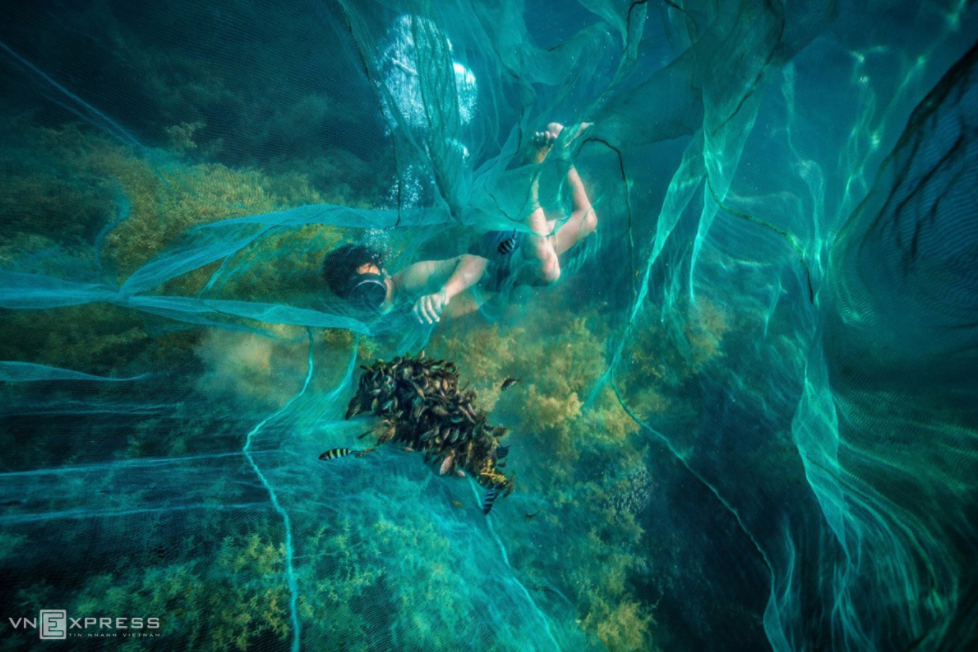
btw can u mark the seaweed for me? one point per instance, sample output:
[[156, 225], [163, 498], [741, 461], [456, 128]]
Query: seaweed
[[572, 443], [73, 184]]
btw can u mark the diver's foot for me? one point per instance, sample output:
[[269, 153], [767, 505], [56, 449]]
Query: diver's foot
[[544, 140]]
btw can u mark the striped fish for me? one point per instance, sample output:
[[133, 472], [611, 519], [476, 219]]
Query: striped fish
[[507, 246], [490, 498], [336, 453], [509, 382]]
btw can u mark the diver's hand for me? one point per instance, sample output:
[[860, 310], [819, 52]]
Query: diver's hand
[[429, 307]]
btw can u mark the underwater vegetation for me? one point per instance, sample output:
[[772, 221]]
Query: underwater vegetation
[[575, 462], [209, 600], [143, 206]]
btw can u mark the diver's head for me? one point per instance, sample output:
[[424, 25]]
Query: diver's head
[[356, 274]]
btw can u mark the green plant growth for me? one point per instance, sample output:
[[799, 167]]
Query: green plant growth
[[566, 449], [62, 186]]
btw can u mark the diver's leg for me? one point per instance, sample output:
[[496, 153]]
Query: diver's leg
[[540, 265], [583, 220], [543, 245], [535, 262]]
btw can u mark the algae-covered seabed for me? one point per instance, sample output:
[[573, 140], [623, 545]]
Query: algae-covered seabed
[[744, 420]]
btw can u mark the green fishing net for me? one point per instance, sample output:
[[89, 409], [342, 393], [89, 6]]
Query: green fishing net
[[745, 411]]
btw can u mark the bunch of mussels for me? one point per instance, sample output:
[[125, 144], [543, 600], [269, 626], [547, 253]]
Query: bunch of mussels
[[423, 407]]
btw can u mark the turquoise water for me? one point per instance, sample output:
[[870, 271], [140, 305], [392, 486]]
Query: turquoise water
[[745, 411]]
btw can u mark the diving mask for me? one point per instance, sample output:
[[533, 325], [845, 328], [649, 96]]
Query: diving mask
[[368, 291]]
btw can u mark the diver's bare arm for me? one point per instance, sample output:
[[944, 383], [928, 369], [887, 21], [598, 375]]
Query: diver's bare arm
[[467, 272], [452, 276], [413, 279], [464, 303]]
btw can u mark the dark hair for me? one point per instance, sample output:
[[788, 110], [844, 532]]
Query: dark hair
[[340, 266]]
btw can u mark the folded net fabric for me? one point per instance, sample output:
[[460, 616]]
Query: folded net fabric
[[745, 417]]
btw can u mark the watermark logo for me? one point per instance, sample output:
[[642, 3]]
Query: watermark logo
[[54, 624]]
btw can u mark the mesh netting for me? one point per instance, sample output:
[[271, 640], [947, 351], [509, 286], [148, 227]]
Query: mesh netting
[[723, 257]]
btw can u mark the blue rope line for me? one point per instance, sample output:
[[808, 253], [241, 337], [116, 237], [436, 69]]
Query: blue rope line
[[289, 550]]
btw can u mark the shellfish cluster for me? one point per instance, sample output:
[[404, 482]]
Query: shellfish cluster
[[424, 409]]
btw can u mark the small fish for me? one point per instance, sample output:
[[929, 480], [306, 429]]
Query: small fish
[[490, 498], [387, 432], [354, 409], [529, 516], [510, 486], [458, 504], [470, 412], [446, 464], [506, 246], [335, 453], [509, 382]]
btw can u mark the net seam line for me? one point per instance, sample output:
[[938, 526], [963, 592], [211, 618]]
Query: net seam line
[[289, 550]]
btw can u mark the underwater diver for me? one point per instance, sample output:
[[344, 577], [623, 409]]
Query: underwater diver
[[357, 274], [500, 260]]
